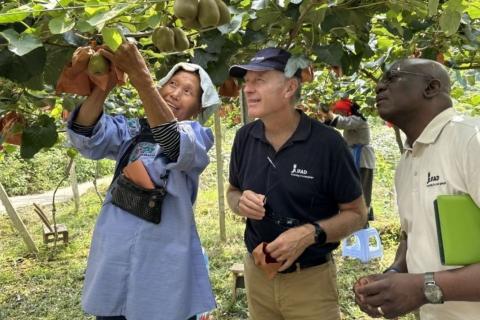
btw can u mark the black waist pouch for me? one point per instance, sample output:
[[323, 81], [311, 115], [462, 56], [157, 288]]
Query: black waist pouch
[[141, 202]]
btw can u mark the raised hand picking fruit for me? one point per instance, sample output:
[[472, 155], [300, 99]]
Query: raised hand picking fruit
[[98, 65]]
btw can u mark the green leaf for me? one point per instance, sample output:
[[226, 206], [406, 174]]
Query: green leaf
[[14, 15], [57, 58], [20, 44], [330, 54], [112, 37], [42, 134], [61, 24], [202, 58], [233, 26], [103, 17], [295, 63], [21, 68], [432, 7], [213, 40], [69, 102], [35, 82], [450, 21], [454, 5], [473, 11]]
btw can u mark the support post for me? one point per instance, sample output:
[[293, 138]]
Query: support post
[[74, 183], [220, 187], [17, 222]]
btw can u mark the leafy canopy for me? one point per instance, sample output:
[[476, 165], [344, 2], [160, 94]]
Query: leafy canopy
[[348, 42]]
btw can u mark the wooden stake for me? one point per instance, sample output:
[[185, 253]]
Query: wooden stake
[[17, 222], [220, 188]]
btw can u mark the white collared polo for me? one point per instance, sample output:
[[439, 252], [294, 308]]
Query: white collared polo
[[443, 160]]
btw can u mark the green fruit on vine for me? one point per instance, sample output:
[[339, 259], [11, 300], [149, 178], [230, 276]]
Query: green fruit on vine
[[224, 13], [163, 38], [208, 13], [72, 153], [191, 23], [97, 64], [181, 40], [185, 9]]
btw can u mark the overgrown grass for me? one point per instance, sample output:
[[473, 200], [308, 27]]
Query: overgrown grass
[[48, 286]]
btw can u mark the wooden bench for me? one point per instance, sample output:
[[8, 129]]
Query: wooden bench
[[238, 279], [49, 230]]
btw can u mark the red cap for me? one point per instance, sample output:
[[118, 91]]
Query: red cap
[[344, 105]]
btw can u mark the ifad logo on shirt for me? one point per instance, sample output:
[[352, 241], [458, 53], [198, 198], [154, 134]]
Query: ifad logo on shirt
[[434, 180], [300, 173]]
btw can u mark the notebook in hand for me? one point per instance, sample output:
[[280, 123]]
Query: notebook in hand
[[458, 229]]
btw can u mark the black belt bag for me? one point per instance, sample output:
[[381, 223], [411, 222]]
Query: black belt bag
[[141, 202]]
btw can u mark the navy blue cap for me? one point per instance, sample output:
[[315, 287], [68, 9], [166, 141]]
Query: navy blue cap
[[264, 60]]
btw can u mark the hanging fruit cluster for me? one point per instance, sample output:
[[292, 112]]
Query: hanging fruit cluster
[[170, 39], [196, 14]]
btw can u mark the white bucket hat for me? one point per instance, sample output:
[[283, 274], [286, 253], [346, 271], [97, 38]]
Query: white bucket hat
[[210, 99]]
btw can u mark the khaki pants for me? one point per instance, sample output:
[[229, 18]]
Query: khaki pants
[[308, 294]]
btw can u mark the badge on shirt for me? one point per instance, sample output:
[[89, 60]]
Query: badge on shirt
[[144, 150]]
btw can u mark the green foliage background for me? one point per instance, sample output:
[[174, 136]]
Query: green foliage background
[[360, 37], [45, 171]]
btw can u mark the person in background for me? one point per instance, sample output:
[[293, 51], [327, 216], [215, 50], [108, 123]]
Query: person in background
[[345, 115], [139, 269], [295, 181], [441, 158]]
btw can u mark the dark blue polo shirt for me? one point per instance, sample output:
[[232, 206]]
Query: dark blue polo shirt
[[303, 182]]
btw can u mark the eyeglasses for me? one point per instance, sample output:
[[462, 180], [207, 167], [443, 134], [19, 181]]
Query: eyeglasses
[[391, 76]]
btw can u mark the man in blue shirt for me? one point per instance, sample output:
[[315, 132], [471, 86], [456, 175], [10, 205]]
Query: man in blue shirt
[[295, 181]]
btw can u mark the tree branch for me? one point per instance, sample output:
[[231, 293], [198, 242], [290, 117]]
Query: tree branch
[[298, 25], [369, 75], [471, 66]]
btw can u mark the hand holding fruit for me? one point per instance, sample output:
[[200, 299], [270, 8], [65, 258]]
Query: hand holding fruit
[[390, 294], [128, 59]]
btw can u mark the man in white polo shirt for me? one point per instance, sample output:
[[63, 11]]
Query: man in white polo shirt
[[442, 157]]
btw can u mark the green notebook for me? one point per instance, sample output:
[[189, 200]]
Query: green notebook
[[458, 229]]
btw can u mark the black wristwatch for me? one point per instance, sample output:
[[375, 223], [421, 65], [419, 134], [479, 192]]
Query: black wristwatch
[[320, 235]]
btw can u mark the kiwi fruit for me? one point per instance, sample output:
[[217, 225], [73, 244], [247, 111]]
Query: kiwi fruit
[[185, 9], [208, 13], [224, 13], [191, 23], [98, 64], [181, 40], [163, 38]]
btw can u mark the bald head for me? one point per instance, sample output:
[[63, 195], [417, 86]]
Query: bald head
[[412, 92], [429, 68]]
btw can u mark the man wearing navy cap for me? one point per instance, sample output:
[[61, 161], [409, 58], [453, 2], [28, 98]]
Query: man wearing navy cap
[[295, 181]]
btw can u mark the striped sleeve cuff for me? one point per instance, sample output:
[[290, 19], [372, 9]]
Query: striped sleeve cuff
[[168, 136], [86, 131]]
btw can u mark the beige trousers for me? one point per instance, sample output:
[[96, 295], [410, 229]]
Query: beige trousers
[[308, 294]]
